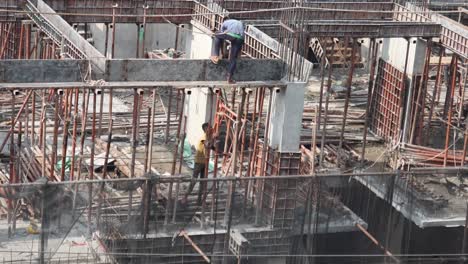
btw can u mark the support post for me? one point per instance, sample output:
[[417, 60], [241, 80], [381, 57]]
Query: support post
[[349, 83], [449, 119], [370, 87]]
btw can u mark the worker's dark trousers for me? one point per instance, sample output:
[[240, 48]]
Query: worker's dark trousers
[[236, 47], [198, 171]]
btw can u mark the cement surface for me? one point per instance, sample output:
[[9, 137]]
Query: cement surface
[[184, 70]]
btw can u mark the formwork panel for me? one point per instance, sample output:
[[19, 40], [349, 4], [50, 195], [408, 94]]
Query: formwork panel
[[386, 101]]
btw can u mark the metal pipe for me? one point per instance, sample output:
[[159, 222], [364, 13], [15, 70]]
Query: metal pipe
[[2, 51], [404, 136], [150, 143], [176, 44], [20, 48], [449, 119], [75, 128], [314, 139], [53, 158], [136, 103], [113, 31], [421, 97], [12, 166], [216, 156], [168, 116], [43, 134], [174, 161], [33, 118], [108, 144], [322, 81], [64, 142], [106, 41], [91, 163], [15, 120], [174, 214], [138, 41], [327, 99], [145, 11], [148, 136], [234, 155], [251, 154], [373, 45], [349, 83], [374, 240], [435, 92], [260, 190]]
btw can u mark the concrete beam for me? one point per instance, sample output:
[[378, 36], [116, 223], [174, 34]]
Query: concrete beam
[[127, 11], [41, 71], [363, 29], [132, 11], [316, 14], [197, 85], [30, 71], [192, 70]]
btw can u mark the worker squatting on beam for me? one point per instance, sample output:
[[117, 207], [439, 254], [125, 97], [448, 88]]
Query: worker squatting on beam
[[232, 30]]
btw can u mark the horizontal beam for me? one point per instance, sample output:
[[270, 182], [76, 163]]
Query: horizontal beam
[[184, 70], [133, 85], [134, 7], [362, 29], [234, 6], [170, 8]]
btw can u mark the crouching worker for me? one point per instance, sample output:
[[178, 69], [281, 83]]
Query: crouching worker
[[232, 30]]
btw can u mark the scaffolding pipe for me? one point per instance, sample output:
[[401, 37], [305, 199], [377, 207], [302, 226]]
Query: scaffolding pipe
[[370, 87], [327, 100], [349, 83], [449, 119]]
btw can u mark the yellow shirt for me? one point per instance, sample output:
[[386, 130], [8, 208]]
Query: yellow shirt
[[200, 153]]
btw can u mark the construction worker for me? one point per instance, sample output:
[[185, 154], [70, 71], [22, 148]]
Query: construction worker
[[232, 30], [200, 162]]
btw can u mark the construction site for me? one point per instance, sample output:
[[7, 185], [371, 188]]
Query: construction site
[[343, 140]]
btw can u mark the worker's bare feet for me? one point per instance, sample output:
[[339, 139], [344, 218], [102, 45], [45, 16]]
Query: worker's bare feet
[[214, 59]]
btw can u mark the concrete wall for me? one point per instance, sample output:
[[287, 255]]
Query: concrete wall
[[158, 36]]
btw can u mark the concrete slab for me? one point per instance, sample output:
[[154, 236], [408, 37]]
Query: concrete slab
[[434, 208]]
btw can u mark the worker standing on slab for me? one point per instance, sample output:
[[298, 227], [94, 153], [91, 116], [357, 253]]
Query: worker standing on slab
[[200, 162], [232, 30]]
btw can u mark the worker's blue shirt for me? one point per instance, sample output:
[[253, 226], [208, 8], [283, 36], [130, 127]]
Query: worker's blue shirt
[[234, 28]]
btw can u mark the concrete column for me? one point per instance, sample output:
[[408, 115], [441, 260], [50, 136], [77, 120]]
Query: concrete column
[[200, 44], [286, 117], [201, 106], [393, 52]]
